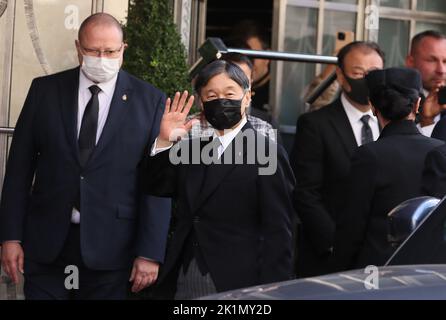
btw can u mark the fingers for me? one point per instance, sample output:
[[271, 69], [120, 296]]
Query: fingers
[[145, 274], [132, 276], [20, 263], [167, 108], [5, 267], [138, 283], [143, 280], [12, 260], [9, 265], [12, 271], [189, 104], [153, 277], [182, 101], [174, 106], [179, 103]]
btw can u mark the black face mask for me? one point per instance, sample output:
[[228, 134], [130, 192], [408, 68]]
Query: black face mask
[[359, 92], [223, 113]]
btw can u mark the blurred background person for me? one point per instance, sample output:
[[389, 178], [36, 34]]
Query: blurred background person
[[248, 34], [333, 91], [428, 55]]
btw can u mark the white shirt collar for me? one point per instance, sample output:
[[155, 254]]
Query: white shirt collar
[[108, 88], [353, 114], [227, 138]]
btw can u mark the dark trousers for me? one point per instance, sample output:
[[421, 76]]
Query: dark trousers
[[308, 262], [50, 282]]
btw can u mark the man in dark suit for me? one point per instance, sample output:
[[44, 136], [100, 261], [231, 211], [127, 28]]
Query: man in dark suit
[[232, 216], [71, 195], [325, 141]]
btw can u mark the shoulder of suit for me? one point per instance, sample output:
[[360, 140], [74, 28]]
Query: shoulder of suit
[[439, 149], [136, 83], [58, 75], [321, 114], [436, 142]]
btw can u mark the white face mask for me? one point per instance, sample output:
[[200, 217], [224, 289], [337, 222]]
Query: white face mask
[[100, 69]]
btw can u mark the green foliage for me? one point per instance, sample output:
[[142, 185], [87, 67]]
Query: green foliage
[[155, 52]]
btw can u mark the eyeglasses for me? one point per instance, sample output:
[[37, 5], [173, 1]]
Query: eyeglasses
[[98, 53]]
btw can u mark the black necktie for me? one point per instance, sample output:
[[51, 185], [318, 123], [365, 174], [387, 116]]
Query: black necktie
[[366, 132], [89, 126]]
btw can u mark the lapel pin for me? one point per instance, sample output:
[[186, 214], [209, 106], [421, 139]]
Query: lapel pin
[[124, 97]]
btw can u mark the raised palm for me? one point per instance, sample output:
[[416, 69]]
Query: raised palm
[[173, 124]]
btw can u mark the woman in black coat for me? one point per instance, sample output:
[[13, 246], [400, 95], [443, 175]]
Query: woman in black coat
[[383, 173]]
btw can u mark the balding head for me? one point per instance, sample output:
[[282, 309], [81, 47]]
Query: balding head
[[100, 19]]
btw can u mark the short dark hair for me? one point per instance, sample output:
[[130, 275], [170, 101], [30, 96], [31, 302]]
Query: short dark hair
[[394, 91], [420, 36], [221, 67], [363, 45], [394, 103], [237, 58], [98, 19]]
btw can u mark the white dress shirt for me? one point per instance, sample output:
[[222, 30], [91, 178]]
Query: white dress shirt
[[105, 97], [354, 117], [427, 130], [225, 139]]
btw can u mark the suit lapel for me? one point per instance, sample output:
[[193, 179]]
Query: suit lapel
[[343, 128], [120, 103], [216, 173], [69, 91]]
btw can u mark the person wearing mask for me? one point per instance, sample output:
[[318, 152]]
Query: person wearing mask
[[203, 128], [383, 173], [70, 195], [428, 55], [324, 143], [232, 221]]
